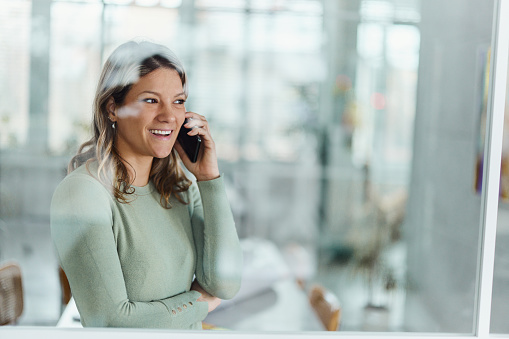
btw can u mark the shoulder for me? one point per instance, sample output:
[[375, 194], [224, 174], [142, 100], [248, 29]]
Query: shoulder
[[80, 198], [81, 185]]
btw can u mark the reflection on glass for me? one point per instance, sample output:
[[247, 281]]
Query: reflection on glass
[[348, 133], [73, 55], [15, 32]]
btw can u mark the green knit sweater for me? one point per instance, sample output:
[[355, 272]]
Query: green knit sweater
[[132, 265]]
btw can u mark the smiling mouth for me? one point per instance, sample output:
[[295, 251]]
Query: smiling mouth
[[160, 132]]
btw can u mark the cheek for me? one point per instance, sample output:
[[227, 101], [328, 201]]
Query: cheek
[[128, 111], [137, 119], [130, 125]]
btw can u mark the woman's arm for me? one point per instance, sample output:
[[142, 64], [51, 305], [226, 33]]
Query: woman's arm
[[219, 256], [81, 226]]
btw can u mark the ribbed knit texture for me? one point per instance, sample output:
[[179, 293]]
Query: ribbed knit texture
[[132, 265]]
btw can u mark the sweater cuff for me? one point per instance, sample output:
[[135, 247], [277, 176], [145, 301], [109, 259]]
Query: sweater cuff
[[185, 303], [213, 184]]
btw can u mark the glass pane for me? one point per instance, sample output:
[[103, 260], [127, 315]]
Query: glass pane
[[122, 23], [74, 65], [442, 224], [349, 134], [14, 55]]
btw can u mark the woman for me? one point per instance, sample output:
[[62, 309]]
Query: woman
[[130, 229]]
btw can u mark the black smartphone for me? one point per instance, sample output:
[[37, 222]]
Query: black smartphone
[[190, 143]]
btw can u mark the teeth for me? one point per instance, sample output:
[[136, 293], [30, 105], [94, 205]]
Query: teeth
[[158, 131]]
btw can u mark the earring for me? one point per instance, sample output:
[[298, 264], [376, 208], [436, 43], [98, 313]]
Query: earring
[[112, 123]]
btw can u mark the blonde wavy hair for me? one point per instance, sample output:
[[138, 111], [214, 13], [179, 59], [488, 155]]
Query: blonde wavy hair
[[125, 66]]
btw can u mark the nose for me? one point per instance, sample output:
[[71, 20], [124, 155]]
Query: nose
[[167, 114]]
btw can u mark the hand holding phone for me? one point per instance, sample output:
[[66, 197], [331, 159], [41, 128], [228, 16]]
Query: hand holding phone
[[199, 148]]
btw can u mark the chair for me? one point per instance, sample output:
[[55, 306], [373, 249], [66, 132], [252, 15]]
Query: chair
[[65, 288], [326, 306], [11, 293]]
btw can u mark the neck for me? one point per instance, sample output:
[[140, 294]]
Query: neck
[[139, 170]]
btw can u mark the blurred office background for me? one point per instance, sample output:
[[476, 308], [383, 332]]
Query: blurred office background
[[349, 133]]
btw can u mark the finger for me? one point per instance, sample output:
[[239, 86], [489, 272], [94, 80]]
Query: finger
[[194, 124], [199, 131], [195, 116], [195, 120]]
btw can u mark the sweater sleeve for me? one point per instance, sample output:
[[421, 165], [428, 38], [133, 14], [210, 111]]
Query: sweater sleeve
[[219, 256], [81, 227]]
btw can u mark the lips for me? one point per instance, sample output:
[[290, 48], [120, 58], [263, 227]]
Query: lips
[[161, 133]]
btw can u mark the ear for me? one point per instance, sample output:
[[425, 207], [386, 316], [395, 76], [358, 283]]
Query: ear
[[111, 108]]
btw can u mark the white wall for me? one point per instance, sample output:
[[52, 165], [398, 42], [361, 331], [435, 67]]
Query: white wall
[[442, 227]]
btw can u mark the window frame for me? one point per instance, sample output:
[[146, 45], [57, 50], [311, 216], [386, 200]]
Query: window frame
[[489, 211], [492, 159]]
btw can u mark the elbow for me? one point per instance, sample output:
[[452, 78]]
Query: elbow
[[100, 319], [223, 289], [108, 317], [224, 282], [231, 285], [231, 291], [221, 276]]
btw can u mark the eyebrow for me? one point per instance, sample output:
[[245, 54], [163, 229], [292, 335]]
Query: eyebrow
[[158, 94]]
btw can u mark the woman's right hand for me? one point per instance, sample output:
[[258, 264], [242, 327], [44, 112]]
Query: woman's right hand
[[205, 296]]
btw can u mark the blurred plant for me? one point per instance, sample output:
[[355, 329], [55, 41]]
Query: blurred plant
[[368, 262], [377, 227]]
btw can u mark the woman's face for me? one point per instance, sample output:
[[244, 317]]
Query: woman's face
[[149, 120]]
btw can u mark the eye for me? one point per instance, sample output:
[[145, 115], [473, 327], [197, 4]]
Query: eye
[[150, 100], [179, 101]]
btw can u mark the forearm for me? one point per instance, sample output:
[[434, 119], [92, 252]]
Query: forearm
[[219, 264], [178, 312]]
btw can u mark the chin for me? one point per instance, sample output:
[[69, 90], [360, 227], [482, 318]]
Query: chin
[[162, 155]]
